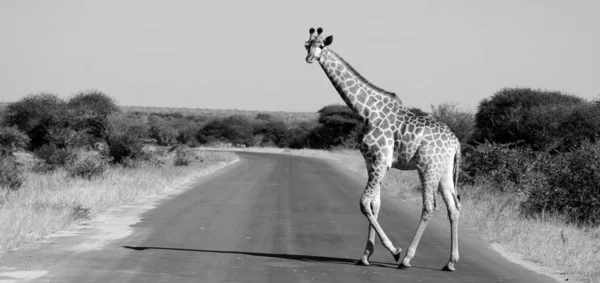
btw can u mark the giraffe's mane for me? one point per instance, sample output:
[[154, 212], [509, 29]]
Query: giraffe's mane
[[365, 81]]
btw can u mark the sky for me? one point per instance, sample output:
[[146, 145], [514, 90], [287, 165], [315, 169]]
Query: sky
[[250, 55]]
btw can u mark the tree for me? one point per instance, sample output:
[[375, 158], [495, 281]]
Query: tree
[[339, 126], [91, 109], [235, 129], [35, 114], [11, 139], [161, 131], [522, 115], [274, 132]]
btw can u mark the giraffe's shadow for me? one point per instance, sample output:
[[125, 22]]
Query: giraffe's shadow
[[307, 258]]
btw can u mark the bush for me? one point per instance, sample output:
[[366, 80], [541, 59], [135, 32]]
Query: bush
[[125, 146], [299, 133], [580, 125], [91, 109], [523, 114], [339, 126], [11, 174], [11, 139], [90, 167], [571, 187], [505, 168], [54, 157], [234, 129], [161, 131], [120, 124], [35, 114], [273, 132], [461, 122], [185, 157]]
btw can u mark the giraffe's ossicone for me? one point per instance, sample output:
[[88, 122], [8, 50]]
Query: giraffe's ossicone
[[394, 137]]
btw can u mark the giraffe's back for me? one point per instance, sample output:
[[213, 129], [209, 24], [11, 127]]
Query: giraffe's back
[[422, 140]]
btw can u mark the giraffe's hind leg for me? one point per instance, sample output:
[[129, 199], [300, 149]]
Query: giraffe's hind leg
[[447, 188], [370, 247], [429, 182]]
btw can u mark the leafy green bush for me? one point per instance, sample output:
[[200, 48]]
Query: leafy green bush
[[90, 167], [571, 185], [11, 174]]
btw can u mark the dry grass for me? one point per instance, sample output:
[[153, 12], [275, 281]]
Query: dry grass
[[49, 202], [563, 249], [570, 251]]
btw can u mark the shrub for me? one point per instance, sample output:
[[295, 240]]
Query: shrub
[[273, 132], [91, 109], [161, 131], [11, 174], [580, 125], [523, 114], [299, 133], [11, 139], [234, 129], [185, 157], [505, 168], [461, 122], [127, 123], [90, 167], [125, 146], [572, 185], [54, 157], [339, 126], [35, 114]]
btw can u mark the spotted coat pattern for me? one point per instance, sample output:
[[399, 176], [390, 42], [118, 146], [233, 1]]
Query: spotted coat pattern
[[394, 137]]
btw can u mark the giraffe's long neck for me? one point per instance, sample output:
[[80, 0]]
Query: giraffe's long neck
[[358, 93]]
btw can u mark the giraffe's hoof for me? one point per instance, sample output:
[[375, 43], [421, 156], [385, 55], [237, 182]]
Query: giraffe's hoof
[[404, 265], [363, 262], [397, 254], [449, 267]]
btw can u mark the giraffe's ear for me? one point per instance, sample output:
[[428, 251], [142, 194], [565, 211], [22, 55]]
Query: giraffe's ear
[[328, 41]]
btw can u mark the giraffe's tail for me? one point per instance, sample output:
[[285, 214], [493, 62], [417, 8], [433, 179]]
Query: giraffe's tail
[[457, 157]]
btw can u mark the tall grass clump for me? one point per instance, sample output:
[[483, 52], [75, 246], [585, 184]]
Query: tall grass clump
[[12, 176]]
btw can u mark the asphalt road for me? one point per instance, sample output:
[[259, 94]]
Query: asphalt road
[[275, 218]]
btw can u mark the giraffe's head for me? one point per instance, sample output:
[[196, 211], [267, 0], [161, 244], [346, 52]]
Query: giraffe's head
[[315, 45]]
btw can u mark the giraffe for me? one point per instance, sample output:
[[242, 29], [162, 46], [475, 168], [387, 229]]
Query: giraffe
[[394, 137]]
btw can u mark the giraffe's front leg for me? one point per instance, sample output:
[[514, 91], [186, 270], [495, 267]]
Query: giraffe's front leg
[[371, 191], [370, 247]]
